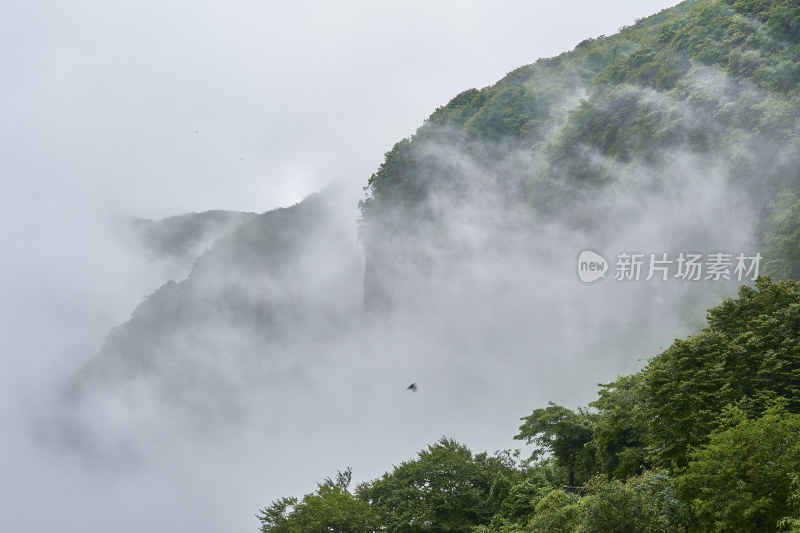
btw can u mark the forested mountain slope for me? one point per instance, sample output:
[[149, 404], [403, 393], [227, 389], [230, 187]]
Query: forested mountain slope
[[704, 92], [681, 133], [702, 99]]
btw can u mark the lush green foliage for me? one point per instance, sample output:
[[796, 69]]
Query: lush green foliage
[[445, 489], [706, 437], [791, 523], [740, 480], [717, 80], [621, 430], [719, 411], [556, 512], [563, 433], [783, 239], [748, 355], [643, 504], [331, 508]]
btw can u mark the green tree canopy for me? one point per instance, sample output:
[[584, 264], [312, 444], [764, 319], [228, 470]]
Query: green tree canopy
[[749, 354], [332, 508], [742, 479], [445, 489], [565, 434], [621, 430]]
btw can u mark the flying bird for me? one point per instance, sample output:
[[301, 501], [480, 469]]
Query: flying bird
[[413, 387]]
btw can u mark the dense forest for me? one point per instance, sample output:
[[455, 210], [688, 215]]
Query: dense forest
[[706, 436], [707, 87]]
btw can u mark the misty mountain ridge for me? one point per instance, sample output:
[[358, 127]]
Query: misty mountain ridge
[[680, 133], [171, 245], [247, 284], [186, 235], [698, 100]]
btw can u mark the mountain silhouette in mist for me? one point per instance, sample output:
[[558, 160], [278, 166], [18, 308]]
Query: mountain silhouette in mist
[[686, 123], [232, 305], [186, 235]]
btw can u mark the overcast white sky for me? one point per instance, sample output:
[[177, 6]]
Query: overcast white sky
[[156, 108], [100, 101]]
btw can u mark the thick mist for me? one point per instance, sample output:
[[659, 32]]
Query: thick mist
[[261, 371], [256, 372], [276, 377]]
